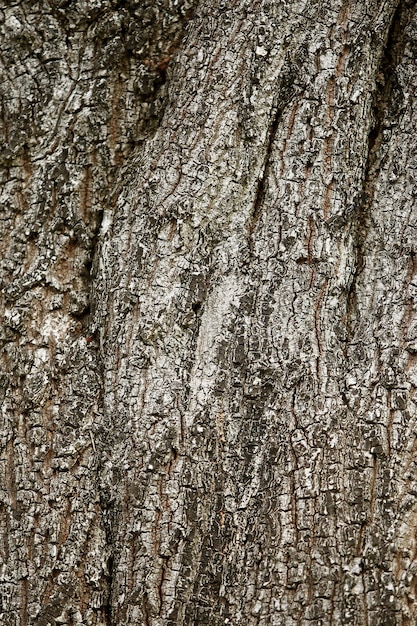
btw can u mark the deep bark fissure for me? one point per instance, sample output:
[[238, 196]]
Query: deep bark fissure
[[262, 182], [381, 100], [107, 612], [235, 448], [286, 90]]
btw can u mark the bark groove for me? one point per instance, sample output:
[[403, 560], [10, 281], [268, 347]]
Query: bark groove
[[208, 270]]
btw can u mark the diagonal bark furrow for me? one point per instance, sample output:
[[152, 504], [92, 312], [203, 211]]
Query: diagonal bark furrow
[[245, 463], [263, 179], [385, 104], [382, 319], [194, 181], [288, 86]]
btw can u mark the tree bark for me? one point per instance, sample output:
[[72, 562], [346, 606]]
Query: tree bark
[[209, 304]]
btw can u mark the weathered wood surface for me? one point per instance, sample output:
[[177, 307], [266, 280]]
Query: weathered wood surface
[[208, 273]]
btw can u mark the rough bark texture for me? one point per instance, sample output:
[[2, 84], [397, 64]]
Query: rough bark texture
[[210, 313]]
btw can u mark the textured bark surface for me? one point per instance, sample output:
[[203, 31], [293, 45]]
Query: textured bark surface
[[209, 304], [82, 87]]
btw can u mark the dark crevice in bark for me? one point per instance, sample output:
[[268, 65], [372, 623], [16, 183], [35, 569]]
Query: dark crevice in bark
[[286, 90], [386, 82], [106, 524], [107, 607], [261, 188], [90, 268], [156, 96]]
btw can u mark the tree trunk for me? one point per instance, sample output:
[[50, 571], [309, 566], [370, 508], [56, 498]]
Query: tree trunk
[[210, 313]]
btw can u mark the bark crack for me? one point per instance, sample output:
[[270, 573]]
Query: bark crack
[[261, 187], [381, 103], [286, 91]]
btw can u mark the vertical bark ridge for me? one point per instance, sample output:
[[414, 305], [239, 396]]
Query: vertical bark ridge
[[81, 89], [242, 422], [384, 85], [228, 435], [157, 321], [383, 325]]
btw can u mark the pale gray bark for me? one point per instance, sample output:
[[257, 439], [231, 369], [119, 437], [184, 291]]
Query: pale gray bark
[[217, 424]]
